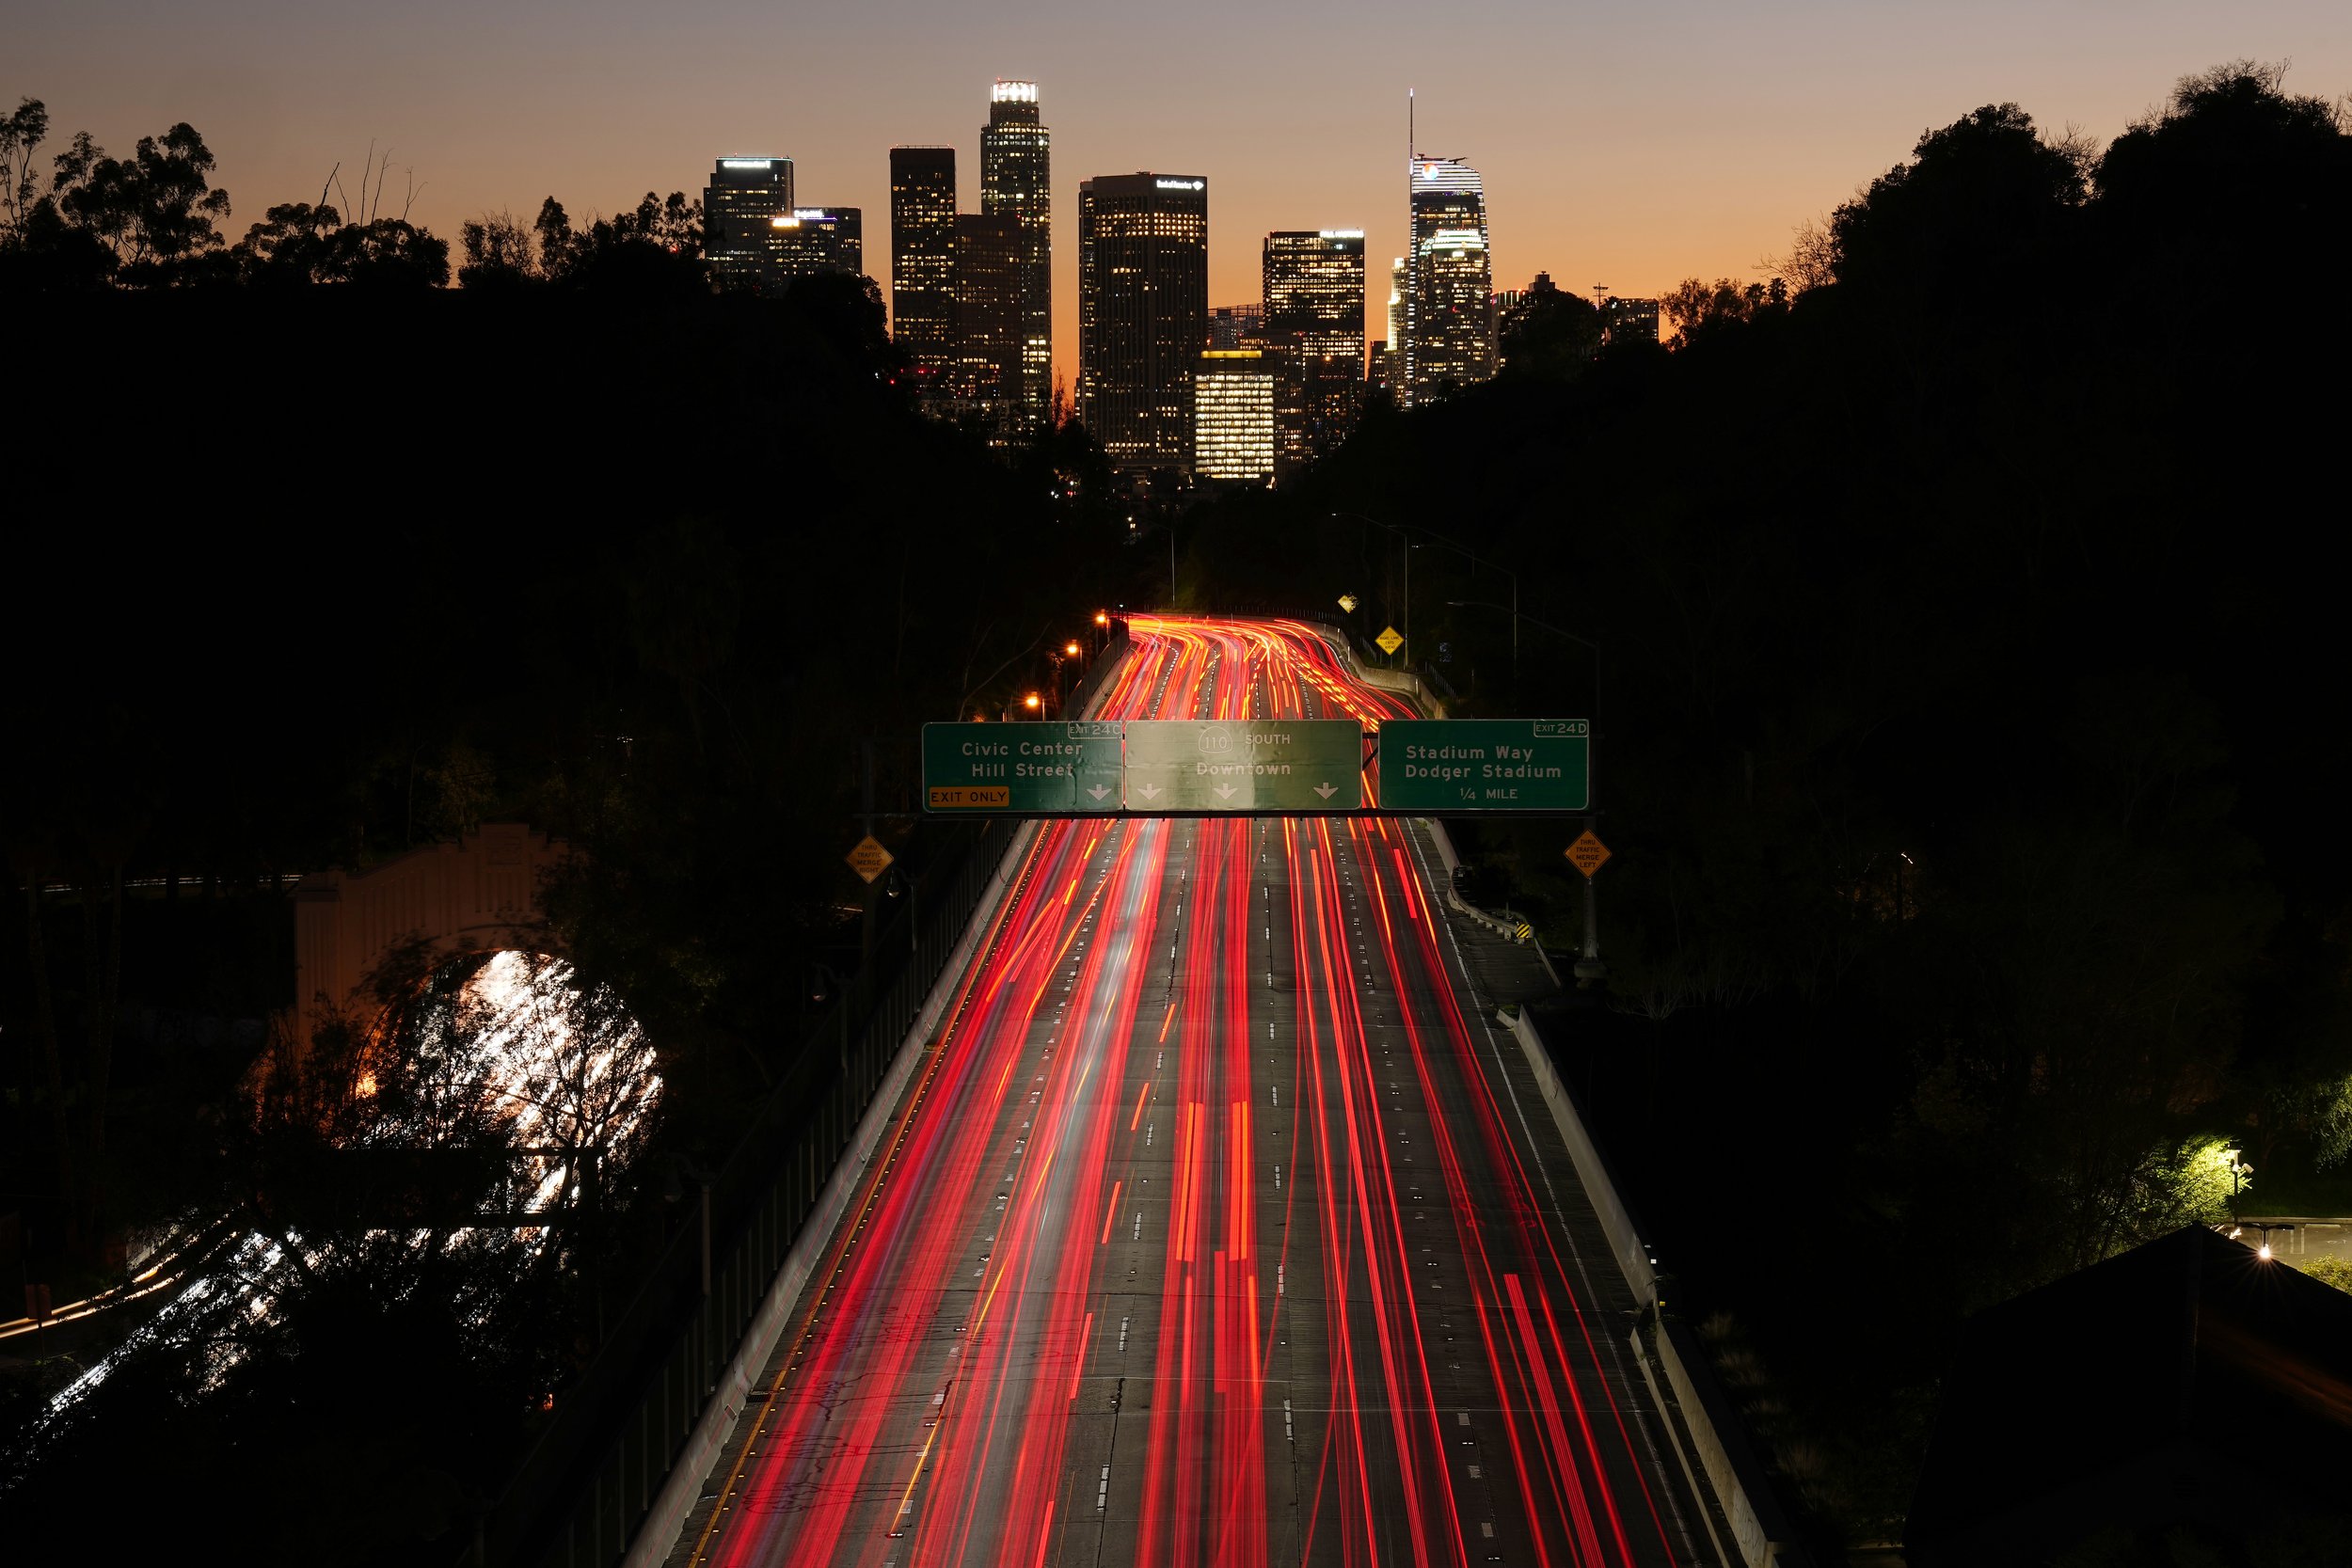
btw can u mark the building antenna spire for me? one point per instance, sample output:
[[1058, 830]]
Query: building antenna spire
[[1411, 146]]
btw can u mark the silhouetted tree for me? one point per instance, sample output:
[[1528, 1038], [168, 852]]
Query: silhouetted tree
[[1696, 309], [304, 245], [289, 244], [672, 222], [21, 135], [553, 227], [47, 254], [1969, 217], [1548, 334], [388, 253], [500, 252], [655, 248], [2234, 181], [154, 209]]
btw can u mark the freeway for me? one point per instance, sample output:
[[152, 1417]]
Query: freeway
[[1216, 1226]]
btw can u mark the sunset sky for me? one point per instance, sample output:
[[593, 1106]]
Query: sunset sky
[[1632, 146]]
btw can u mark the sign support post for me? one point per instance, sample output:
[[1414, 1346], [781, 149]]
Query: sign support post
[[1590, 970], [1587, 854]]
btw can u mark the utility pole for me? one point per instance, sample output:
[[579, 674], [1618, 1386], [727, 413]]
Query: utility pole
[[1404, 539]]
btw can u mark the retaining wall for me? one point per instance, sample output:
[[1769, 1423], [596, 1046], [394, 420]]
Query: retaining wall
[[1759, 1525]]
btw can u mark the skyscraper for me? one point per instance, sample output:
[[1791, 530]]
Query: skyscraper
[[922, 263], [1237, 327], [1387, 368], [744, 197], [1448, 297], [1144, 313], [1232, 415], [1016, 169], [987, 378], [1626, 320], [1399, 280], [807, 241], [1315, 320]]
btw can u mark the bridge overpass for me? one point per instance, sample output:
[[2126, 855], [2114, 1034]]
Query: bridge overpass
[[1218, 1222]]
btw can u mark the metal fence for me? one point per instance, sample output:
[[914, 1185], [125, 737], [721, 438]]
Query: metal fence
[[581, 1493]]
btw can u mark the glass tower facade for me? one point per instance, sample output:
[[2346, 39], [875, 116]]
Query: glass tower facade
[[811, 240], [1232, 415], [989, 329], [1314, 320], [1398, 282], [1449, 295], [923, 262], [1144, 313], [744, 197], [1016, 175]]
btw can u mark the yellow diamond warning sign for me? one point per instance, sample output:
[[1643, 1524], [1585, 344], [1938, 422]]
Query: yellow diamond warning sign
[[869, 860], [1390, 640], [1587, 853]]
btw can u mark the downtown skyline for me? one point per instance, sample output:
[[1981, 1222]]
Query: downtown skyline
[[685, 940], [1689, 141]]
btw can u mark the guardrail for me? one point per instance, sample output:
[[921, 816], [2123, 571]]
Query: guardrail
[[1759, 1525], [632, 1436], [1508, 930]]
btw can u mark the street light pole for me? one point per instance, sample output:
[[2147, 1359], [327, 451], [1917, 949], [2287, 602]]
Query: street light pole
[[1476, 562], [1590, 970], [702, 1177], [1512, 609], [1407, 539]]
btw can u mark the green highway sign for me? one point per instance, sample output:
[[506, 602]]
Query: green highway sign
[[1449, 766], [1245, 765], [1064, 769]]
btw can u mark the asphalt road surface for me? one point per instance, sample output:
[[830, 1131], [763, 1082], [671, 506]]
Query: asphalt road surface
[[1218, 1226]]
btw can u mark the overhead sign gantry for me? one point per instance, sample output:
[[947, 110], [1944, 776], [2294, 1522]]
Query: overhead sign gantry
[[1258, 768]]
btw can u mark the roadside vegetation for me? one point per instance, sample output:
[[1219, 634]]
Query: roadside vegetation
[[319, 561], [1967, 635]]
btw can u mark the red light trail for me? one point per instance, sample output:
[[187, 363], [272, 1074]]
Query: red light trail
[[1301, 1303]]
